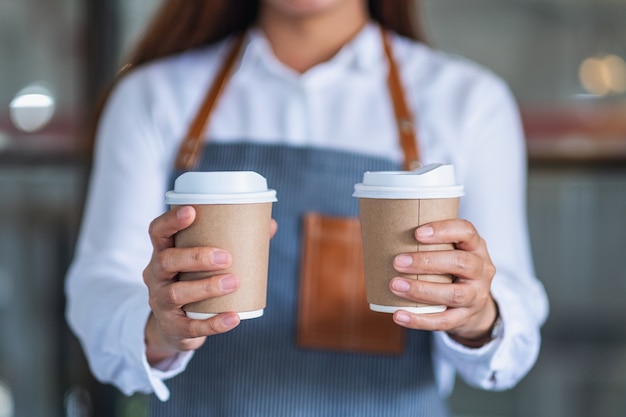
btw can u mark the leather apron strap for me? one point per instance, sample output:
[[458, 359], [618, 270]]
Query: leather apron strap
[[189, 150], [404, 119], [190, 147]]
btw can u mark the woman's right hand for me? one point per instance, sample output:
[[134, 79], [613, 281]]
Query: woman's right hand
[[168, 330]]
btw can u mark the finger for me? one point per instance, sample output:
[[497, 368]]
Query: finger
[[169, 262], [444, 321], [163, 228], [453, 262], [436, 293], [460, 232], [273, 228], [221, 323], [178, 294], [185, 334]]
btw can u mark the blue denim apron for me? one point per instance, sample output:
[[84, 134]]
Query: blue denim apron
[[257, 369]]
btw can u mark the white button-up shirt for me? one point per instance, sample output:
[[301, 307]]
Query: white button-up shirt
[[464, 115]]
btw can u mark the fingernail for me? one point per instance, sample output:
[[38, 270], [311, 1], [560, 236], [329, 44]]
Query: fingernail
[[400, 285], [230, 320], [229, 283], [220, 257], [425, 231], [183, 212], [403, 317], [404, 260]]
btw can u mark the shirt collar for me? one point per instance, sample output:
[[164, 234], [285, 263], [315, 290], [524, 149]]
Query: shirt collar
[[363, 53], [367, 48]]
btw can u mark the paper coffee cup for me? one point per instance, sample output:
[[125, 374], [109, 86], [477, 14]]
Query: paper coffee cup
[[392, 204], [233, 212]]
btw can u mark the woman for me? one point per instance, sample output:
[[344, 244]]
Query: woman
[[307, 102]]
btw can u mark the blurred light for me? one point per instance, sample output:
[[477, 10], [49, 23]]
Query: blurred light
[[6, 401], [32, 108], [593, 77], [617, 69], [603, 75], [77, 402]]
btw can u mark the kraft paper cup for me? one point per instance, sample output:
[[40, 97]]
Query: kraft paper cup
[[392, 204], [233, 212]]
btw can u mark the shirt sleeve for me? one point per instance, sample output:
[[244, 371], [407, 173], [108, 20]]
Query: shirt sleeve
[[107, 301], [494, 174]]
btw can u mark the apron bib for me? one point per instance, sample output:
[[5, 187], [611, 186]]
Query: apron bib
[[257, 369], [336, 368]]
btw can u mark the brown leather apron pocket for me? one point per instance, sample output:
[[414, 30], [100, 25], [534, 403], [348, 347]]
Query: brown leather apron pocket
[[333, 310]]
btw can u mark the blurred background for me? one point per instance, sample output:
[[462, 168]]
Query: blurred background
[[564, 60]]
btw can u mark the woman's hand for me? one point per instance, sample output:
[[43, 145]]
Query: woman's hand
[[168, 330], [471, 310]]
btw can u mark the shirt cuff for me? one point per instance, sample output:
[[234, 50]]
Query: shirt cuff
[[474, 364], [501, 363], [483, 353], [135, 346], [166, 369]]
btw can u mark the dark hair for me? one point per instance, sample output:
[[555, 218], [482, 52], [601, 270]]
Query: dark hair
[[180, 25]]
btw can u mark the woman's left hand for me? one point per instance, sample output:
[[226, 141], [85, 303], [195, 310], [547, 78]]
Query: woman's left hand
[[471, 309]]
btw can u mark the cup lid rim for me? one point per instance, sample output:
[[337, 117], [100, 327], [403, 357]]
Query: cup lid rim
[[174, 198], [381, 192]]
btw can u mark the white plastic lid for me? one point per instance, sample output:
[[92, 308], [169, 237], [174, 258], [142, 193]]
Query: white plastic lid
[[430, 181], [220, 187]]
